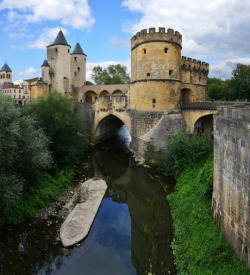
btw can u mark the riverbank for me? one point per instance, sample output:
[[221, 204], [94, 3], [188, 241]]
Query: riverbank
[[199, 246], [48, 189]]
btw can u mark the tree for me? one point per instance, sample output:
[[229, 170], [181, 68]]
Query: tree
[[241, 82], [113, 74], [89, 83], [23, 153], [61, 118]]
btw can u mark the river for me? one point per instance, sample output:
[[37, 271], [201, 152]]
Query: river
[[131, 234]]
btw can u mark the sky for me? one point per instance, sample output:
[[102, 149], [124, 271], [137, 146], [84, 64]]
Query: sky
[[215, 31]]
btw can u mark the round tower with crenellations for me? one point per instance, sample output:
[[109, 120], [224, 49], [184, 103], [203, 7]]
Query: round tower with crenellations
[[77, 69], [156, 70], [58, 58]]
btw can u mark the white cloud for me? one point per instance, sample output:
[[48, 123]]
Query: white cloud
[[27, 73], [105, 64], [47, 37], [208, 28], [115, 43], [19, 81], [74, 13], [223, 68], [19, 35]]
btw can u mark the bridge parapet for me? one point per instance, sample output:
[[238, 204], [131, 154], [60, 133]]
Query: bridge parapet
[[116, 102], [210, 105]]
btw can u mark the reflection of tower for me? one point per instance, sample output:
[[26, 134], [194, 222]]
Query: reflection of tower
[[155, 70], [58, 58], [151, 227]]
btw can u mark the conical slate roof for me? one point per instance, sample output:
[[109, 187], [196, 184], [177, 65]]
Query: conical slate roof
[[6, 68], [60, 40], [78, 49], [45, 63]]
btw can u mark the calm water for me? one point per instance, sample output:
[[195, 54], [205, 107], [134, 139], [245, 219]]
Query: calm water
[[131, 234]]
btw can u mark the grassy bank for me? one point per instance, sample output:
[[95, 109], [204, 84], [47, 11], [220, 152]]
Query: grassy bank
[[199, 246], [47, 189]]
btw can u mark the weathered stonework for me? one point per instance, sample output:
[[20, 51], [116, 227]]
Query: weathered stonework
[[230, 204]]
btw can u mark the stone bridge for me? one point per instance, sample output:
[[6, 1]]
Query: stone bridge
[[107, 107]]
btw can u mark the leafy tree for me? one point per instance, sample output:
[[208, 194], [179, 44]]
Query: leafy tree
[[23, 153], [214, 91], [241, 82], [113, 74], [61, 118], [89, 83]]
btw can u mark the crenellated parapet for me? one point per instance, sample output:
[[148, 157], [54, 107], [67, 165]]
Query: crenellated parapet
[[190, 64], [147, 36]]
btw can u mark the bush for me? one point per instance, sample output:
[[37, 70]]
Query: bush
[[61, 118], [182, 150], [23, 153]]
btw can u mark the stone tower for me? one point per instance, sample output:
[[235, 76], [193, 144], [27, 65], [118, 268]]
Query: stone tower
[[156, 70], [46, 73], [58, 58], [77, 69], [5, 74]]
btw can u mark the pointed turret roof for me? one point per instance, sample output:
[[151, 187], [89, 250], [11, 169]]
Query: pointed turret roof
[[45, 63], [78, 49], [6, 68], [60, 40]]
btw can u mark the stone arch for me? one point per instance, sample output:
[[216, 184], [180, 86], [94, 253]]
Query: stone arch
[[186, 95], [117, 92], [104, 92], [204, 125], [90, 96], [107, 126]]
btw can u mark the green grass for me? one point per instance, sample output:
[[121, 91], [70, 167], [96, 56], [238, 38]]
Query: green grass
[[199, 246], [47, 189]]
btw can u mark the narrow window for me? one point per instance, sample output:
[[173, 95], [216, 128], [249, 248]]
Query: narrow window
[[75, 73], [64, 77], [170, 72], [165, 50], [75, 58], [200, 79], [78, 68], [153, 102], [19, 91], [148, 74], [56, 50], [144, 51], [68, 51], [84, 58]]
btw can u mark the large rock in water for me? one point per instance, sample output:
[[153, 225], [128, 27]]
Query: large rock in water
[[78, 223]]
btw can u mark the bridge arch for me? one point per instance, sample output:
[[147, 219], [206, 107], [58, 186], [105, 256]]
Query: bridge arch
[[104, 92], [107, 126], [117, 92], [90, 96], [204, 125]]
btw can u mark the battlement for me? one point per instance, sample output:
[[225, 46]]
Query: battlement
[[188, 63], [145, 36]]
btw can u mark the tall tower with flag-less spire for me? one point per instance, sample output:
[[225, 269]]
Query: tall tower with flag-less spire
[[63, 71], [5, 74]]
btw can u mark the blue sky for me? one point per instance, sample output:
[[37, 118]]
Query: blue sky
[[216, 31]]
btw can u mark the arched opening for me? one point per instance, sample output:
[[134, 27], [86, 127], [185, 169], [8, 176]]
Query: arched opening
[[186, 95], [104, 93], [90, 96], [204, 125], [117, 92], [111, 126]]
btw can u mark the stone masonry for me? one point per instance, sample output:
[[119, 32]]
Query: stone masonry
[[230, 204]]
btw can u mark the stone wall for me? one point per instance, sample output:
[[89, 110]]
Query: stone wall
[[88, 111], [230, 204]]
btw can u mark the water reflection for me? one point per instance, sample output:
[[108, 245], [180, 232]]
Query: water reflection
[[131, 234]]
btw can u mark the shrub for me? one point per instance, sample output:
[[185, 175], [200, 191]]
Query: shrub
[[182, 150]]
